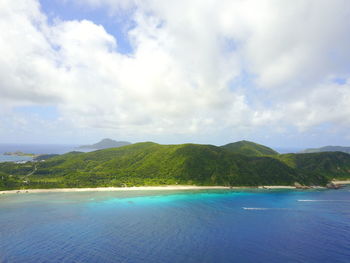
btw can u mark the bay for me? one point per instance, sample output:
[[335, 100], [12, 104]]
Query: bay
[[176, 226]]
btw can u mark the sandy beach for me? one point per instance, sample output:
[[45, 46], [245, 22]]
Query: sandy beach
[[140, 188], [105, 189], [341, 182]]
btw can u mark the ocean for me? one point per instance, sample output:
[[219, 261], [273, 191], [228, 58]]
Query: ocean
[[177, 226], [32, 148]]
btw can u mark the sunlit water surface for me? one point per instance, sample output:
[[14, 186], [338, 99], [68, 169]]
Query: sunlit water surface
[[176, 226]]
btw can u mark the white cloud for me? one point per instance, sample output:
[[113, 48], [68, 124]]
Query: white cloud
[[186, 56]]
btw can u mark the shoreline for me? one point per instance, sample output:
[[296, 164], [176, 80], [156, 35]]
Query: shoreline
[[143, 188], [162, 188], [341, 181]]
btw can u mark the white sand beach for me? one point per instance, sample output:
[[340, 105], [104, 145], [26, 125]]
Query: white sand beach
[[341, 182], [104, 189], [140, 188]]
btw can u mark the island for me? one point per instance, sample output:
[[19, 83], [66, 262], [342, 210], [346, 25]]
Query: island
[[104, 144], [239, 164], [19, 153]]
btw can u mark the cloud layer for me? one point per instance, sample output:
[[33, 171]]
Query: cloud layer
[[197, 67]]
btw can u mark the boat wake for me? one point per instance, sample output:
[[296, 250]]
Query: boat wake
[[315, 200], [254, 208], [263, 208]]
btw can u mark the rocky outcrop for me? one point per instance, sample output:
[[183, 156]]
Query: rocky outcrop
[[332, 185], [299, 186]]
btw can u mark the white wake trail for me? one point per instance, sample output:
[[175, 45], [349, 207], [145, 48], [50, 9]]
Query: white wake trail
[[264, 208], [315, 200]]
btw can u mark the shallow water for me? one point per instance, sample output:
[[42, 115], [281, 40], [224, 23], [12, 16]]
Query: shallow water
[[176, 226]]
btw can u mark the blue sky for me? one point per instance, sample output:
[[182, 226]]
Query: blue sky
[[76, 71], [116, 25]]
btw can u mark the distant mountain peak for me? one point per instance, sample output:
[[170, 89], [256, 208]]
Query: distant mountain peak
[[107, 140], [104, 144]]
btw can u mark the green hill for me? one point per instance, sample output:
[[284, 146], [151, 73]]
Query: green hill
[[328, 149], [153, 164], [249, 148], [328, 164]]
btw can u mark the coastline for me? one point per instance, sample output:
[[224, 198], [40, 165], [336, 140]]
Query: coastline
[[341, 181], [141, 188], [160, 188], [163, 188]]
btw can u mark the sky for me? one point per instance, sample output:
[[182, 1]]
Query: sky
[[202, 71]]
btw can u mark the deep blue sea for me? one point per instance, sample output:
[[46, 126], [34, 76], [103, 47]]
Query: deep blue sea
[[177, 226]]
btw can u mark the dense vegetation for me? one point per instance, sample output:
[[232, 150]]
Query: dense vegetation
[[328, 149], [328, 164], [249, 148], [153, 164]]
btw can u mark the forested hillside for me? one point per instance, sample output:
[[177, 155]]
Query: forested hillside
[[154, 164]]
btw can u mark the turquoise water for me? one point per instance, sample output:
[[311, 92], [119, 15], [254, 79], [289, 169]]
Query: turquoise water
[[176, 226]]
